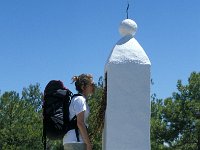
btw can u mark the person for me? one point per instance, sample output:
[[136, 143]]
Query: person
[[85, 87]]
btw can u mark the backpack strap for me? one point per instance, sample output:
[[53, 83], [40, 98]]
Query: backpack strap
[[77, 134], [79, 94], [44, 138], [75, 118]]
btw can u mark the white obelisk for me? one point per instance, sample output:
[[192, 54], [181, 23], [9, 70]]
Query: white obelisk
[[127, 120]]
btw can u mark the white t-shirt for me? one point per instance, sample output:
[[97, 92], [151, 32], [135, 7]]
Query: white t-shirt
[[78, 105]]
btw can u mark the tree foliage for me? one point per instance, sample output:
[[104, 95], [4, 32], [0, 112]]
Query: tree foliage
[[33, 96], [96, 119], [175, 122], [20, 126]]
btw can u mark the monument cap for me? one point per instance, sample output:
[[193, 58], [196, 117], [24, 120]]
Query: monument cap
[[127, 27]]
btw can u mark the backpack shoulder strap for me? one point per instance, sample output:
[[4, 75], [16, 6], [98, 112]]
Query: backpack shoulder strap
[[44, 138], [75, 118], [79, 94]]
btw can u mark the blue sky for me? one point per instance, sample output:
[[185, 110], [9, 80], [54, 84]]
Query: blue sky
[[48, 39]]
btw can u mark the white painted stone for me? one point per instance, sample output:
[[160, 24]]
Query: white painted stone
[[127, 122], [127, 27]]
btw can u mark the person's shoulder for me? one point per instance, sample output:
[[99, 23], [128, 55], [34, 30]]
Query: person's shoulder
[[79, 98]]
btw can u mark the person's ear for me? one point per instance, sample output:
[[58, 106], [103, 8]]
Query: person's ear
[[82, 87]]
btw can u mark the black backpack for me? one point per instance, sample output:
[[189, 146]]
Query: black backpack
[[56, 122]]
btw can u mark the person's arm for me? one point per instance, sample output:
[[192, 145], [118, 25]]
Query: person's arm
[[83, 130]]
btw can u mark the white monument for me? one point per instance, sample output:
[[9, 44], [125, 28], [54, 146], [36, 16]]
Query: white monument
[[127, 119]]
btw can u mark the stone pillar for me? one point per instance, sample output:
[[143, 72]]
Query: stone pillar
[[127, 120]]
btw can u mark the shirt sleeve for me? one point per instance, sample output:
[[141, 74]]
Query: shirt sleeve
[[79, 105]]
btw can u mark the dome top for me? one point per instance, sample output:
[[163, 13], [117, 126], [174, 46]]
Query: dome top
[[127, 27]]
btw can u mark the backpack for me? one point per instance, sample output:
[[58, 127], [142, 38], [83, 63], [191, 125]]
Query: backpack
[[56, 122]]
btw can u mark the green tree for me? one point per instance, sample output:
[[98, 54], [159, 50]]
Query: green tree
[[33, 95], [20, 125], [158, 126], [96, 119], [175, 120]]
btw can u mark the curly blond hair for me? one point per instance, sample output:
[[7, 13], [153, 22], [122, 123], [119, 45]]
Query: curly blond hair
[[82, 80]]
